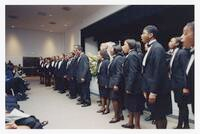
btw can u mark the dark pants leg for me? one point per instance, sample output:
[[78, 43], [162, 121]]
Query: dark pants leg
[[72, 89], [183, 113], [61, 84], [85, 89], [56, 83]]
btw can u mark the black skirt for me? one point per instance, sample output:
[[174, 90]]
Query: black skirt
[[134, 102], [117, 95], [104, 92]]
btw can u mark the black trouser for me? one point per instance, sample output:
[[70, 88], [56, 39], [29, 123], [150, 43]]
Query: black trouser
[[183, 114], [47, 80], [60, 84], [41, 78], [85, 92], [72, 88]]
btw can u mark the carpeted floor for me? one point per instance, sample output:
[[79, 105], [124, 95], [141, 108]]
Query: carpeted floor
[[63, 113]]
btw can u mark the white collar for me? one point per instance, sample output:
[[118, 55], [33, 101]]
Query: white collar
[[152, 41]]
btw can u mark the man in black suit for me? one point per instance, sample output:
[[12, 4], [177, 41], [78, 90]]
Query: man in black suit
[[188, 42], [155, 86], [83, 77], [60, 75], [177, 66]]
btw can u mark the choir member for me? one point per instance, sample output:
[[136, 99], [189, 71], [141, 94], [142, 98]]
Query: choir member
[[116, 81], [188, 42], [103, 81], [155, 79], [134, 99]]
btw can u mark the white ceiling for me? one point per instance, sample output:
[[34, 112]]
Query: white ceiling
[[28, 18]]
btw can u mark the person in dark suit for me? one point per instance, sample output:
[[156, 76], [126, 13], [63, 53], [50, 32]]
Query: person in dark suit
[[55, 73], [40, 70], [47, 73], [134, 99], [103, 81], [155, 78], [188, 42], [177, 67], [83, 77], [116, 82], [60, 75]]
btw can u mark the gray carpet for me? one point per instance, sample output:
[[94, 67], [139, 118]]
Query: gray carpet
[[63, 113]]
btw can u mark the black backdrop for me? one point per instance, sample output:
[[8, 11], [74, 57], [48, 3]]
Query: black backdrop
[[130, 21]]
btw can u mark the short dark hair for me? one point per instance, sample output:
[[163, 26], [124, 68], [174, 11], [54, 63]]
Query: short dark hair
[[131, 43], [152, 29], [191, 25], [138, 47], [117, 48]]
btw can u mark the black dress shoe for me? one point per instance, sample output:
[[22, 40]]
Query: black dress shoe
[[79, 99], [79, 103], [67, 94], [62, 92], [186, 127], [149, 118], [106, 112], [101, 111], [114, 120], [86, 105], [72, 97], [128, 126]]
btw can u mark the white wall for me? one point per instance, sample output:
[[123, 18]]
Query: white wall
[[73, 33], [31, 43]]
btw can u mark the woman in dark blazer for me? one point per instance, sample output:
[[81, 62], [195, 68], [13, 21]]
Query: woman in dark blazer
[[116, 81], [103, 81], [177, 67], [134, 99]]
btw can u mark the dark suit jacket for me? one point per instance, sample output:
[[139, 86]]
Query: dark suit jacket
[[61, 71], [103, 79], [132, 72], [116, 71], [155, 77], [178, 69], [83, 69], [190, 82]]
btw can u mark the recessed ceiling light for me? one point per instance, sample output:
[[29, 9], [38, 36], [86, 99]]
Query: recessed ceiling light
[[52, 22], [50, 15], [50, 31], [66, 8], [65, 25], [42, 13], [12, 26], [13, 17]]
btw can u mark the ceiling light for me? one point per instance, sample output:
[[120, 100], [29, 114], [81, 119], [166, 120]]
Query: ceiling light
[[50, 15], [66, 8], [41, 25], [13, 17], [50, 31], [52, 22], [12, 26], [42, 13], [65, 25]]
